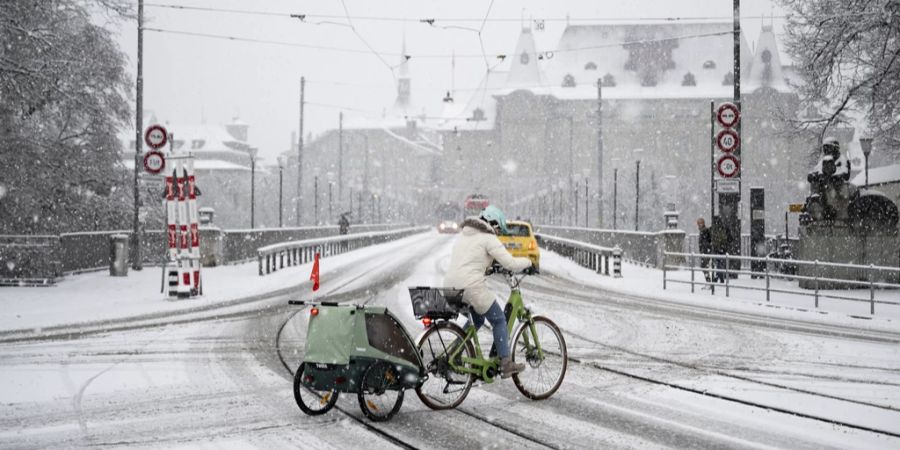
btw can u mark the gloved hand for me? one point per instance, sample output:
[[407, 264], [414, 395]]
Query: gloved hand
[[531, 270]]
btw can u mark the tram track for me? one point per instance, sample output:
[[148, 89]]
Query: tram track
[[581, 298]]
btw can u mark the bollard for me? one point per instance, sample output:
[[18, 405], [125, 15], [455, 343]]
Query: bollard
[[692, 271], [871, 289], [617, 262], [259, 258]]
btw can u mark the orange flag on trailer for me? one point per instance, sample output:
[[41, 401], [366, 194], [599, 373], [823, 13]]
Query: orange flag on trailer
[[314, 276]]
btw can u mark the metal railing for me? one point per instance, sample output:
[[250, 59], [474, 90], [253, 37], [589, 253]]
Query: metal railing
[[285, 254], [768, 263], [593, 257]]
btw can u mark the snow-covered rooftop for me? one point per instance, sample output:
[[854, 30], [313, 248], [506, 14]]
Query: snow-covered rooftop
[[878, 175]]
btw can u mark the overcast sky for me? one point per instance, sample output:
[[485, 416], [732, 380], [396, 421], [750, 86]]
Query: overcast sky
[[187, 78]]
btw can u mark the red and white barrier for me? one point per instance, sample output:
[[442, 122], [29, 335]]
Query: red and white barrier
[[182, 227]]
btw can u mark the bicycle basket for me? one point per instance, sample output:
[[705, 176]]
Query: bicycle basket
[[436, 303]]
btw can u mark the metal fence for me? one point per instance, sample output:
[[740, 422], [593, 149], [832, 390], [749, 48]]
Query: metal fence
[[866, 280], [278, 256], [594, 257]]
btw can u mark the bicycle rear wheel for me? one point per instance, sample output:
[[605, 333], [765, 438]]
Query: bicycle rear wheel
[[445, 387], [544, 370]]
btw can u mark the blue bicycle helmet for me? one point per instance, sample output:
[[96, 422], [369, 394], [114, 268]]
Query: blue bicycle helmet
[[493, 214]]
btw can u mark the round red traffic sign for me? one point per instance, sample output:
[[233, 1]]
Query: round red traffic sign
[[156, 136], [728, 166], [728, 115], [154, 162], [727, 141]]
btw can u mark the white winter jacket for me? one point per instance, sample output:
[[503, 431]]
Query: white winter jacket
[[472, 254]]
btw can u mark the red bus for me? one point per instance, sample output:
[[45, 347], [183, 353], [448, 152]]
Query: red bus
[[474, 204]]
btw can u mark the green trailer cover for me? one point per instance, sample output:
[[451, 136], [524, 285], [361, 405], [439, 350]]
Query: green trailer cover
[[329, 339]]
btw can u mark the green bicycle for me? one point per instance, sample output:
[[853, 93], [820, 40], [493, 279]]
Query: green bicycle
[[453, 359]]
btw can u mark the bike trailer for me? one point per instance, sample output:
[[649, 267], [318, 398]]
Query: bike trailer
[[344, 340]]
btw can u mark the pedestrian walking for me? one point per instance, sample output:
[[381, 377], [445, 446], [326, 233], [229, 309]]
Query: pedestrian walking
[[705, 243], [719, 239]]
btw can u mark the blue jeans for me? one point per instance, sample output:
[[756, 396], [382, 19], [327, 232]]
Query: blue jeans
[[497, 319]]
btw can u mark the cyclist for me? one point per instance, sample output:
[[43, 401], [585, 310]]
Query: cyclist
[[473, 253]]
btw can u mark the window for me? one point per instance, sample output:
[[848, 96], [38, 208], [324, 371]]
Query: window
[[729, 79], [518, 230], [709, 64], [689, 80], [385, 334], [609, 80], [568, 80], [590, 66]]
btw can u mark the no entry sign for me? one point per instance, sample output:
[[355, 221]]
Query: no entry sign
[[727, 140], [728, 115], [154, 162], [156, 136], [728, 166]]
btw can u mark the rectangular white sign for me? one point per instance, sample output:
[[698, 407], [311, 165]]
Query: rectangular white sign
[[728, 186]]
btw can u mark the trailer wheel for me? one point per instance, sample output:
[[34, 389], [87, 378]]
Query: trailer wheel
[[311, 401]]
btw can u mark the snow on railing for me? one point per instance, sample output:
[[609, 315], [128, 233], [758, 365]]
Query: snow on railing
[[276, 256], [786, 270], [594, 257]]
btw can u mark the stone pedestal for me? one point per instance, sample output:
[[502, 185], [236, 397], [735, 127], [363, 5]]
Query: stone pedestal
[[843, 244], [212, 246], [670, 241]]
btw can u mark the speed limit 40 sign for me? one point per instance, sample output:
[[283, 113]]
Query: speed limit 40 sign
[[728, 140]]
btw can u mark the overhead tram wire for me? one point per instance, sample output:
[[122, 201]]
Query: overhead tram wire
[[423, 56], [439, 20]]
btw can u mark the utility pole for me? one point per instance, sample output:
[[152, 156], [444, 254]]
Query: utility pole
[[575, 221], [280, 194], [365, 171], [316, 198], [587, 205], [136, 260], [252, 191], [340, 156], [637, 192], [572, 162], [615, 197], [299, 204], [599, 153]]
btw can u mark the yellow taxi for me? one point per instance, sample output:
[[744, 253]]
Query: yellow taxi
[[520, 241]]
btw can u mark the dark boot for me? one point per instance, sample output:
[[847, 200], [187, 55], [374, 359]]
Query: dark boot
[[508, 368]]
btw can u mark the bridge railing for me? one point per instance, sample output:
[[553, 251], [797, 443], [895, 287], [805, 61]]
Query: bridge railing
[[594, 257], [274, 257], [867, 277]]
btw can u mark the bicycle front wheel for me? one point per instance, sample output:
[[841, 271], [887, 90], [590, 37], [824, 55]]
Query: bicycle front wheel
[[446, 387], [545, 365]]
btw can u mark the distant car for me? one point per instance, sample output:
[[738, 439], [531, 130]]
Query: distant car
[[520, 241], [448, 226]]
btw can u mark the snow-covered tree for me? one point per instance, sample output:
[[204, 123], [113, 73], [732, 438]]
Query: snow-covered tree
[[63, 96], [847, 53]]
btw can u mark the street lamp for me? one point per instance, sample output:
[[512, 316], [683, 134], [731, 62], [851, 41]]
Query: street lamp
[[615, 161], [252, 153], [866, 144], [637, 186], [280, 190]]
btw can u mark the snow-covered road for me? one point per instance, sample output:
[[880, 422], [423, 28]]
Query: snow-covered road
[[643, 373]]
